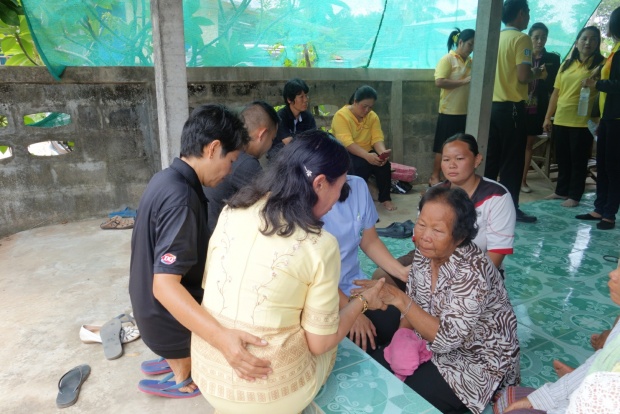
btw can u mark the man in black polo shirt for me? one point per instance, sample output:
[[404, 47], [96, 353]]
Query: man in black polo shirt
[[168, 253], [261, 122], [507, 134]]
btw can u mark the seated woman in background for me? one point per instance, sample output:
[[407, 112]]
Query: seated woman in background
[[495, 210], [294, 116], [456, 301], [272, 270], [358, 128]]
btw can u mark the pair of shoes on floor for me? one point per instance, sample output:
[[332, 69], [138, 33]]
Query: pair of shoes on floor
[[112, 335], [525, 218], [70, 384], [601, 225], [163, 387], [526, 189], [117, 223], [91, 334], [397, 230]]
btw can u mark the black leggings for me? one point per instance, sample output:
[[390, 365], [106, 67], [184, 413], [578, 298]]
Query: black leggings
[[429, 384], [383, 175]]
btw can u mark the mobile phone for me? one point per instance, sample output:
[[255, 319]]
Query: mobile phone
[[384, 155]]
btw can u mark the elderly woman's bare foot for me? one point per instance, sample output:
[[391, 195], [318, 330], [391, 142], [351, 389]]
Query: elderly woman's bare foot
[[561, 368], [388, 205], [598, 340]]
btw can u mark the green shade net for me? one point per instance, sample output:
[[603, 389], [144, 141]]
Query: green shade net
[[316, 33]]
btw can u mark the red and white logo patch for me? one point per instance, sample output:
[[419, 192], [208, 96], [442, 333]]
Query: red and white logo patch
[[168, 258]]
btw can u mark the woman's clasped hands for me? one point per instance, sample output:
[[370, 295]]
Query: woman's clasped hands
[[383, 294]]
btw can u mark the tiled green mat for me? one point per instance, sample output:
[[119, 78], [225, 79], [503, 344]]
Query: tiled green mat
[[358, 384], [557, 282]]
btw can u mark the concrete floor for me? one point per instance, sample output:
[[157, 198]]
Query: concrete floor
[[58, 277]]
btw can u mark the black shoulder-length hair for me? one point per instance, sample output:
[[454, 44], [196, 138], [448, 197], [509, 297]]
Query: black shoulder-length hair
[[596, 58], [287, 184], [464, 227]]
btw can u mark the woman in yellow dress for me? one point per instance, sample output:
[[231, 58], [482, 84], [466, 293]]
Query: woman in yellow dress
[[273, 272]]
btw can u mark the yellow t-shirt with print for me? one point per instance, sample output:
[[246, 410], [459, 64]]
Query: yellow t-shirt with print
[[348, 130], [515, 48], [568, 84], [453, 67]]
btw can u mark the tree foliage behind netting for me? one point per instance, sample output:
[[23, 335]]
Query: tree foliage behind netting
[[308, 33]]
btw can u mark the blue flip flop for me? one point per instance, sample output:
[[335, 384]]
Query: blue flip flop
[[155, 367], [166, 388], [125, 213]]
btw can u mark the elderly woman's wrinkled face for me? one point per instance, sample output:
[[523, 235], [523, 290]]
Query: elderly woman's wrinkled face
[[433, 231], [458, 163]]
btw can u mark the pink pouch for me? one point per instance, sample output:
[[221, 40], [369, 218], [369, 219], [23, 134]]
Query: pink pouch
[[405, 353], [403, 172]]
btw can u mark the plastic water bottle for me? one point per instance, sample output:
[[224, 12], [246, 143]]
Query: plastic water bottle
[[584, 97]]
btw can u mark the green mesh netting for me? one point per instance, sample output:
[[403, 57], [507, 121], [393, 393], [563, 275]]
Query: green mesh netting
[[316, 33]]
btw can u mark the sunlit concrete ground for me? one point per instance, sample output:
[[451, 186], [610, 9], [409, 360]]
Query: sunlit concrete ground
[[58, 277]]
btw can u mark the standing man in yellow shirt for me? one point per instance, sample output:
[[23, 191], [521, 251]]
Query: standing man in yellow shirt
[[507, 133]]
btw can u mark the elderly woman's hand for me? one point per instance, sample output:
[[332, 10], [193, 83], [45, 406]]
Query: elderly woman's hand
[[372, 294], [389, 294]]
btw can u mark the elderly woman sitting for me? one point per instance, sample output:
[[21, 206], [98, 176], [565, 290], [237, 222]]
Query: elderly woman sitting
[[456, 301]]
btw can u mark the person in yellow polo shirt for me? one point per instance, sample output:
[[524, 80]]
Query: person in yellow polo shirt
[[358, 128], [608, 144], [452, 75], [507, 132], [573, 140]]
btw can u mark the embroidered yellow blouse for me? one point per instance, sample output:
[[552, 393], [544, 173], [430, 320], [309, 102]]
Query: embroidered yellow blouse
[[272, 287]]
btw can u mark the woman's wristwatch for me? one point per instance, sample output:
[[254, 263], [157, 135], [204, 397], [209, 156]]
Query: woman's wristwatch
[[363, 299]]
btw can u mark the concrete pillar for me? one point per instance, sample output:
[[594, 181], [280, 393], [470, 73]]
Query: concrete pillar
[[488, 24], [170, 75], [396, 121]]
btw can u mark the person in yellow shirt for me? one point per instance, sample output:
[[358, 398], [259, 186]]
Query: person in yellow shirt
[[358, 128], [507, 132], [573, 140], [452, 75]]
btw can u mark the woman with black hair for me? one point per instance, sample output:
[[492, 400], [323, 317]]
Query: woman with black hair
[[272, 271], [452, 75], [538, 92], [358, 128], [457, 304], [294, 116], [608, 145], [572, 138]]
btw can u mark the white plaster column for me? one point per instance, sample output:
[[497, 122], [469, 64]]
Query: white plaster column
[[488, 24], [170, 75]]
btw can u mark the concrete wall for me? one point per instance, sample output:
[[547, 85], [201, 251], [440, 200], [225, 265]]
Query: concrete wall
[[114, 127]]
